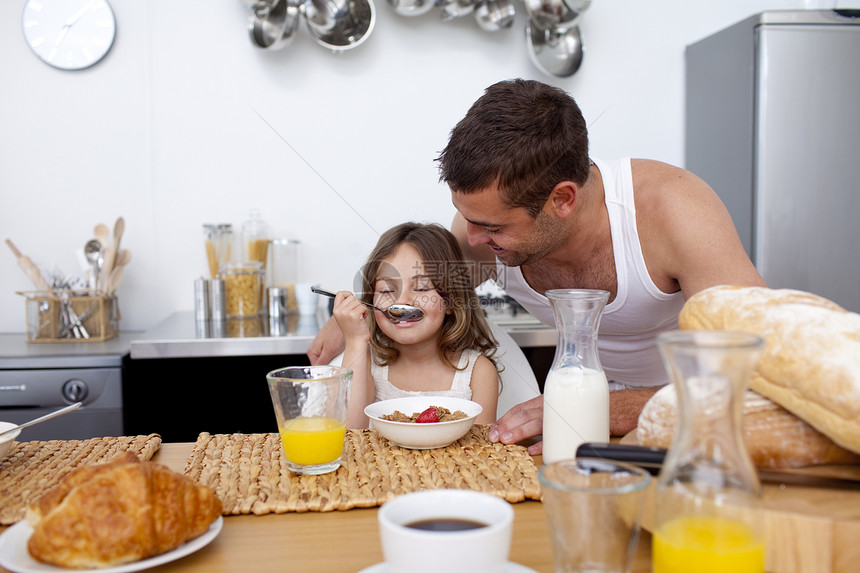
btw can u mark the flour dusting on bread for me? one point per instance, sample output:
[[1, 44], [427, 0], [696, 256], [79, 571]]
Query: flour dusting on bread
[[810, 364]]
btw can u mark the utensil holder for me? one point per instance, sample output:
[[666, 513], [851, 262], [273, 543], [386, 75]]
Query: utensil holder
[[70, 316]]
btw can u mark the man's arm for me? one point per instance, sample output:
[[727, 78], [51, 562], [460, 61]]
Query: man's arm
[[328, 343], [687, 235], [625, 407], [689, 242]]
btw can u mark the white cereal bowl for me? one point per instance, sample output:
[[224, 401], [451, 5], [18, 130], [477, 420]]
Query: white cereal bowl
[[422, 436], [7, 440]]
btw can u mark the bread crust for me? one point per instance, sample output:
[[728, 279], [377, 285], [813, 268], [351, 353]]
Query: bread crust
[[122, 511], [810, 364], [775, 437]]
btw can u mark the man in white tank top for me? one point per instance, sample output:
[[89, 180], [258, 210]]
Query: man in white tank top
[[536, 213]]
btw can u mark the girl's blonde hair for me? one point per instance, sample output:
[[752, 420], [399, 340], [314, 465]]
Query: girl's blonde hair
[[465, 327]]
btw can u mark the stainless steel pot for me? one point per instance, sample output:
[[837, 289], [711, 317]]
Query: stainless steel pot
[[495, 15], [556, 52], [556, 14], [412, 7], [272, 24], [340, 24]]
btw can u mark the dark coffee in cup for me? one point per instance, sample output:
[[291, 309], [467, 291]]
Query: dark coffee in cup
[[446, 524]]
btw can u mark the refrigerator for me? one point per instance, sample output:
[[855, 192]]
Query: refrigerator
[[773, 125]]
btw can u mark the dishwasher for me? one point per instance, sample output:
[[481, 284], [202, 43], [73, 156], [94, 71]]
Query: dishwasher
[[36, 379]]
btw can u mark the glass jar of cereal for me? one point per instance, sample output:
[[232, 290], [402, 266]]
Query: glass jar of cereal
[[242, 287]]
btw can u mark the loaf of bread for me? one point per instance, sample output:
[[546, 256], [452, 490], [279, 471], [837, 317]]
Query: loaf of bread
[[125, 510], [775, 437], [810, 364]]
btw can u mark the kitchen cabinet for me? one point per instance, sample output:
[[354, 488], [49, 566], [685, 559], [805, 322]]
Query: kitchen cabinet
[[178, 398]]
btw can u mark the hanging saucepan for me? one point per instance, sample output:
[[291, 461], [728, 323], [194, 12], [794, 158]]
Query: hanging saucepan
[[412, 7], [556, 52], [323, 15], [273, 24], [340, 24], [555, 14], [495, 15]]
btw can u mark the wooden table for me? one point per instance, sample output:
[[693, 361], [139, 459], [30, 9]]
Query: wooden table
[[338, 542]]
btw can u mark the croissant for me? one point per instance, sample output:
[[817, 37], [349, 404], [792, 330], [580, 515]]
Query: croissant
[[105, 515]]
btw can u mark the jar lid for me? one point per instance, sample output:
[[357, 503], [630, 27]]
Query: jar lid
[[241, 267]]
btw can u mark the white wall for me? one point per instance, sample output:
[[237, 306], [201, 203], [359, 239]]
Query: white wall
[[186, 122]]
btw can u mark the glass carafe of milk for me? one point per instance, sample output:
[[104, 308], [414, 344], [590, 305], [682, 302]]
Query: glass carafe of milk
[[576, 393]]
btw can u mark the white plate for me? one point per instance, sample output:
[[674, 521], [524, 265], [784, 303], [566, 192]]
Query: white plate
[[510, 567], [15, 557]]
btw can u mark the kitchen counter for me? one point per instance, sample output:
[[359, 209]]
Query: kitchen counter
[[16, 353], [180, 336]]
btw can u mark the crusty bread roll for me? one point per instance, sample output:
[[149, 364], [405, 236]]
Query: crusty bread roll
[[125, 510], [810, 364], [775, 437]]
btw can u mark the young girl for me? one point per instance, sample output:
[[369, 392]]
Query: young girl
[[447, 353]]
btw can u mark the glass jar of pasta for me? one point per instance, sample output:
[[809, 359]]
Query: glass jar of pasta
[[242, 287], [256, 236], [219, 243]]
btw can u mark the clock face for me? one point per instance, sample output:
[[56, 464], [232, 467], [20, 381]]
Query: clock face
[[69, 34]]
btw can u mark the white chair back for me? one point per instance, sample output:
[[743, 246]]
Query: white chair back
[[517, 379]]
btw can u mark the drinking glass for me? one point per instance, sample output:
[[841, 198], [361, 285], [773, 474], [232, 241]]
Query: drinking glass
[[594, 509], [310, 405]]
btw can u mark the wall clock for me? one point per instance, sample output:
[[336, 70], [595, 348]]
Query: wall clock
[[69, 34]]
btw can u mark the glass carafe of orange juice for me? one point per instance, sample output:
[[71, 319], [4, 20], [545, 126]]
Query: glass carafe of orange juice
[[708, 495]]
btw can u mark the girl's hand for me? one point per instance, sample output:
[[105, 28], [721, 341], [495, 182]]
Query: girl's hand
[[351, 317]]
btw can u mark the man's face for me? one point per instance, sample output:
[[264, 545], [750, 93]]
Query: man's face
[[513, 235]]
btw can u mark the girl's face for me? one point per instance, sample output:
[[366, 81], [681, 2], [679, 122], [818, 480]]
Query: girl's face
[[402, 279]]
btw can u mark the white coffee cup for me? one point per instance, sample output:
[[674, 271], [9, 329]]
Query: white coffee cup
[[483, 549]]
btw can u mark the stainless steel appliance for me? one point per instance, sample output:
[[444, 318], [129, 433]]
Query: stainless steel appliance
[[36, 379], [773, 125]]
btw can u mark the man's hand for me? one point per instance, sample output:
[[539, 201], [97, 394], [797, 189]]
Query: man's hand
[[625, 407], [523, 421], [329, 342]]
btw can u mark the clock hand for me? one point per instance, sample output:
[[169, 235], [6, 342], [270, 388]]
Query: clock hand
[[79, 14], [72, 21]]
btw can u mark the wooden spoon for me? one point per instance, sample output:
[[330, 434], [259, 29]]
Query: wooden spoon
[[102, 233], [118, 230], [29, 268], [114, 280], [111, 252], [122, 258]]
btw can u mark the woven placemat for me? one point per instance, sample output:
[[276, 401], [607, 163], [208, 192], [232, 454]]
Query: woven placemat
[[248, 472], [32, 468]]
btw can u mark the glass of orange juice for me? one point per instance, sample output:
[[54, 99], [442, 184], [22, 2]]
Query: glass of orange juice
[[310, 405]]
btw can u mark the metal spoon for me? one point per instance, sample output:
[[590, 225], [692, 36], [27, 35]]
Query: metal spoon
[[394, 313], [95, 256], [41, 419]]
